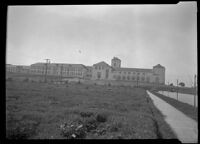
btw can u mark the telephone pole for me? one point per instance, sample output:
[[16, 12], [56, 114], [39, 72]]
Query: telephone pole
[[195, 91], [177, 89], [168, 88], [46, 65], [61, 71]]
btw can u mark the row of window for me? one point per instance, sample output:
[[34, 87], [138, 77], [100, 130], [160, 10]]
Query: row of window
[[55, 68], [57, 73], [130, 78], [99, 67], [138, 73]]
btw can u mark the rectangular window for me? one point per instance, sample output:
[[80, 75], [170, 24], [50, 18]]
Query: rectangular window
[[107, 71], [98, 75]]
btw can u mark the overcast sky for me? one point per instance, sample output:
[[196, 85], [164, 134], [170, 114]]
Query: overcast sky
[[140, 35]]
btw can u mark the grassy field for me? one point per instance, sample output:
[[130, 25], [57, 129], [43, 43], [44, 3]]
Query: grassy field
[[187, 109], [47, 111]]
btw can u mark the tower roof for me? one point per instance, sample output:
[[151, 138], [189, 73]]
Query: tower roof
[[116, 58], [158, 66], [102, 63]]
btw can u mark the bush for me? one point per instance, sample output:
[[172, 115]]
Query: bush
[[73, 130], [86, 114], [102, 117], [90, 124]]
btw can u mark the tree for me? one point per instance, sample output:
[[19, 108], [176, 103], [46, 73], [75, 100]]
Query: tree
[[182, 84]]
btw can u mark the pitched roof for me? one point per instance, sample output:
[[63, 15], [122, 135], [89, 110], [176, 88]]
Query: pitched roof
[[158, 66], [60, 64], [134, 69], [102, 63], [38, 64], [116, 58]]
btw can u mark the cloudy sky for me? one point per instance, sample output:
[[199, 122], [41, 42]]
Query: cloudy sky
[[140, 35]]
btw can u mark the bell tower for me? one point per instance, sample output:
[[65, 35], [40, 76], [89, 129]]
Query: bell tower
[[116, 62]]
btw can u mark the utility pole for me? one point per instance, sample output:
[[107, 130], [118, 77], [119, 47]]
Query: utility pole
[[177, 89], [168, 89], [61, 70], [46, 65], [195, 91]]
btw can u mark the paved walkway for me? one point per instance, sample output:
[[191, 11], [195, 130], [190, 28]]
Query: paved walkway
[[185, 128]]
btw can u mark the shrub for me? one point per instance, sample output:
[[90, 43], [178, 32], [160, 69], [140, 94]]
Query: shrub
[[86, 114], [90, 123], [102, 117], [73, 130]]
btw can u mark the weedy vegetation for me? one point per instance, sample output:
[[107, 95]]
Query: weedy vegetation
[[37, 110]]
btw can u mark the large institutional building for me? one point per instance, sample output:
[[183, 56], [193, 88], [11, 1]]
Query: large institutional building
[[99, 71]]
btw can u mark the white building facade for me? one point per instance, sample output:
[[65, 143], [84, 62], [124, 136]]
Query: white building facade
[[99, 71]]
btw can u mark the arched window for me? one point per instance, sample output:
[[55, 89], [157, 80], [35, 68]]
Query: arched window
[[133, 78]]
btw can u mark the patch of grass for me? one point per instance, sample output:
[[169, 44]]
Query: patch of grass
[[21, 129], [117, 113]]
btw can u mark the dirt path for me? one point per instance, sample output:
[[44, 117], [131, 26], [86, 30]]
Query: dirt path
[[184, 127]]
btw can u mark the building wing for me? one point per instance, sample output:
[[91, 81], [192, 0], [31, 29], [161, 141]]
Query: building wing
[[133, 69]]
